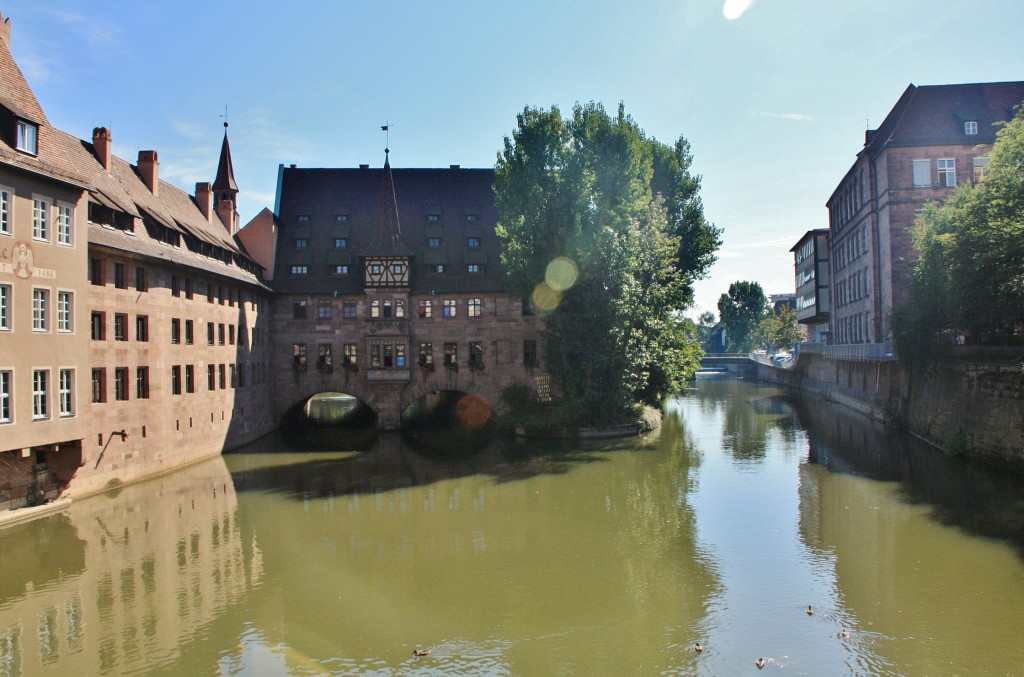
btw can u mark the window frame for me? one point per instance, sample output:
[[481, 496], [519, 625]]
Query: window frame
[[41, 310], [41, 394], [65, 222], [6, 396], [6, 210], [27, 137], [41, 231]]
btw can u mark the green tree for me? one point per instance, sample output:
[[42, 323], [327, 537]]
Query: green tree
[[705, 323], [741, 310], [779, 330], [593, 216], [970, 274]]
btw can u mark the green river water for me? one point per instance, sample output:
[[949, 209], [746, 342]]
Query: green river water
[[532, 558]]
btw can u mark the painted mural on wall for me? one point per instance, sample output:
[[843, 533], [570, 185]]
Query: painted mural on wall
[[19, 260]]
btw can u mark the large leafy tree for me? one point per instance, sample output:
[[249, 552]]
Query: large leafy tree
[[779, 329], [741, 310], [604, 233], [970, 274]]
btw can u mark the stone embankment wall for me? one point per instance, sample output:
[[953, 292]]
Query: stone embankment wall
[[972, 402]]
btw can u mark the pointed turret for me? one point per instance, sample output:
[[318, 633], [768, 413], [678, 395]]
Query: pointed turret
[[386, 259], [225, 190]]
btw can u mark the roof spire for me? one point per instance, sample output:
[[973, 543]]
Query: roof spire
[[224, 185]]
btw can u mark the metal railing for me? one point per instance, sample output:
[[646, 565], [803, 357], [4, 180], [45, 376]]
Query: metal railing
[[856, 352]]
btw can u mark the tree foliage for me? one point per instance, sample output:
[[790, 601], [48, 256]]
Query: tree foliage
[[617, 216], [970, 274], [779, 330], [741, 310]]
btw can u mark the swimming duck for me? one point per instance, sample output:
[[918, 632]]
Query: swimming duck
[[844, 634], [810, 611], [421, 652], [698, 647], [759, 663]]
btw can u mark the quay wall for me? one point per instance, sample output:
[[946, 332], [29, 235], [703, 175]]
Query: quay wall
[[971, 402]]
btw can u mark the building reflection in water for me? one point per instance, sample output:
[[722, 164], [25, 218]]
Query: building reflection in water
[[125, 580]]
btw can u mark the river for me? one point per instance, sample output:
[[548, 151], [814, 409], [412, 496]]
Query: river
[[529, 558]]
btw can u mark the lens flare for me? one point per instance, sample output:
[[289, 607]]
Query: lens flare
[[561, 274], [734, 9], [473, 411], [545, 299]]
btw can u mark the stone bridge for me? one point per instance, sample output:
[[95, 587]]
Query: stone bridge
[[738, 363], [388, 392]]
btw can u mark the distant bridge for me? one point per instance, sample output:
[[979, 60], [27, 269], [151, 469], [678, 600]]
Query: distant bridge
[[738, 363]]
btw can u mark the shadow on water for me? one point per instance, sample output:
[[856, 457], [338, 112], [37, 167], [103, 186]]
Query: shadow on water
[[972, 496], [394, 460]]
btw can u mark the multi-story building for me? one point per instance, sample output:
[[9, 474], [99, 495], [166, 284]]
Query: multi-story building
[[389, 288], [133, 331], [811, 263], [934, 139]]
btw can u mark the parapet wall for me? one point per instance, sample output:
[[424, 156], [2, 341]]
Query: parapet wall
[[972, 402]]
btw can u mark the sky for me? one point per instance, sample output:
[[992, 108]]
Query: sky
[[773, 95]]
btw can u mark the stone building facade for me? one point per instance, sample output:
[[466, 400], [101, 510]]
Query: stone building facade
[[811, 264], [934, 139]]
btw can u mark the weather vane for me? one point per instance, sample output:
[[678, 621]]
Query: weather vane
[[225, 116], [386, 128]]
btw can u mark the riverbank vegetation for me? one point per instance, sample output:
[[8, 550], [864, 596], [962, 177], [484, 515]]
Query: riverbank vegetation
[[968, 284], [604, 234]]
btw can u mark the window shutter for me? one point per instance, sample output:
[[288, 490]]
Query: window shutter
[[922, 173]]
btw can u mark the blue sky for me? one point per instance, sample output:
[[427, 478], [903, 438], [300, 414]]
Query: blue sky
[[773, 95]]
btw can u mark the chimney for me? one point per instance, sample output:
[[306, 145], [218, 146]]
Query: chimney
[[226, 212], [149, 170], [204, 198], [101, 142], [5, 30]]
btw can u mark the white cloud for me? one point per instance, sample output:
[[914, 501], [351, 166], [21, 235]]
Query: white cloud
[[734, 9], [789, 116]]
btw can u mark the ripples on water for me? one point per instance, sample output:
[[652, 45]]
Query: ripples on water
[[525, 558]]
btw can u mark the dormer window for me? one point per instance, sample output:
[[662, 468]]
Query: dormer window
[[28, 137], [971, 127]]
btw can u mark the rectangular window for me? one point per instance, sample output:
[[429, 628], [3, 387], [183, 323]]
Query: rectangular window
[[476, 354], [188, 288], [65, 312], [176, 380], [190, 378], [340, 242], [980, 167], [399, 308], [28, 137], [302, 218], [140, 279], [300, 270], [351, 354], [209, 292], [96, 271], [451, 354], [120, 327], [301, 243], [220, 334], [474, 307], [231, 334], [222, 376], [6, 396], [324, 310], [175, 288], [98, 326], [339, 269], [119, 278], [470, 218], [65, 225], [142, 383], [472, 242], [5, 210], [189, 334], [5, 307], [922, 173], [209, 333], [473, 268], [40, 394], [299, 310], [324, 362], [142, 328], [175, 330], [349, 309], [299, 356], [947, 171], [435, 268], [426, 354], [375, 359], [374, 308], [433, 242], [530, 353], [433, 218], [211, 377], [99, 385], [341, 218], [450, 309], [971, 127], [66, 392], [121, 384], [425, 309], [40, 310]]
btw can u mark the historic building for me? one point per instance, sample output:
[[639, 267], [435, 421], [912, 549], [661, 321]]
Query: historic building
[[388, 287], [934, 139], [133, 325], [811, 264]]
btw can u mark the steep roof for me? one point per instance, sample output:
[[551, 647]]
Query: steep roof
[[934, 115], [225, 169], [15, 95]]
